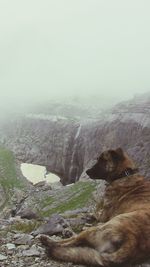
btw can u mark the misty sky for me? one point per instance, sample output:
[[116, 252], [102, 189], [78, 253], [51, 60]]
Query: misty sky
[[72, 47]]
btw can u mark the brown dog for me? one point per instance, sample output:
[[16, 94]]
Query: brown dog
[[124, 237]]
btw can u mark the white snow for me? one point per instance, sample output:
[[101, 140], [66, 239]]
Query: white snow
[[37, 173]]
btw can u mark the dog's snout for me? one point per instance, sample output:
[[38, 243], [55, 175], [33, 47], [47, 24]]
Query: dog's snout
[[87, 172]]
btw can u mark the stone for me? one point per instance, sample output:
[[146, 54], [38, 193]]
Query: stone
[[3, 257], [33, 251], [23, 239], [55, 225], [10, 246], [72, 213], [27, 214]]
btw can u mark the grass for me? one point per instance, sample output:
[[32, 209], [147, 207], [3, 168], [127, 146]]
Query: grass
[[78, 196], [8, 175], [46, 202], [23, 227]]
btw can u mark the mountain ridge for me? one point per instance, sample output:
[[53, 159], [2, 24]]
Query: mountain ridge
[[67, 145]]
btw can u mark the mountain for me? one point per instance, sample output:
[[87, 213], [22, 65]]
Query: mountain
[[66, 139]]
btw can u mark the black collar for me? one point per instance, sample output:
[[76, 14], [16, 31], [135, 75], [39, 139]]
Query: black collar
[[127, 172]]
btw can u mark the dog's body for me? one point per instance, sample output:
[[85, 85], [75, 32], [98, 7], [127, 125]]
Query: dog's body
[[124, 236], [131, 193]]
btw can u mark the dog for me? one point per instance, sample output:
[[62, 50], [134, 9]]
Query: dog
[[123, 237]]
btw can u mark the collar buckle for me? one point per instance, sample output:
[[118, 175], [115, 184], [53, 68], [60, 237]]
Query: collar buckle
[[127, 173]]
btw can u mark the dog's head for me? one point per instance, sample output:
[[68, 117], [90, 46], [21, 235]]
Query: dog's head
[[112, 165]]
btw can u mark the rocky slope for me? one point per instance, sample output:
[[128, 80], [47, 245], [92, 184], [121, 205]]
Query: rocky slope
[[66, 144], [38, 212]]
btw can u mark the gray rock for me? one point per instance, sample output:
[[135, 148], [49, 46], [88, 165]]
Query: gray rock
[[49, 229], [75, 212], [56, 185], [10, 246], [44, 186], [23, 239], [55, 225], [27, 214], [3, 257], [33, 251]]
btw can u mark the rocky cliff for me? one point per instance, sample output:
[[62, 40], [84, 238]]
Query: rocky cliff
[[66, 144]]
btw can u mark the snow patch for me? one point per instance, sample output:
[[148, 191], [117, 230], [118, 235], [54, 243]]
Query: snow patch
[[37, 173]]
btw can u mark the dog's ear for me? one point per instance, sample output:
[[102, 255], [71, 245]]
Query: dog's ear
[[117, 154]]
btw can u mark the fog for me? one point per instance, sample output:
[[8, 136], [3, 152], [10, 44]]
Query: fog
[[61, 48]]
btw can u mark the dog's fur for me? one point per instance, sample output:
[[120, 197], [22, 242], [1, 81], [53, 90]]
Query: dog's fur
[[124, 236]]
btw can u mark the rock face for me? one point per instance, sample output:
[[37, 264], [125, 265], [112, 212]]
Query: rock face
[[67, 145], [54, 144]]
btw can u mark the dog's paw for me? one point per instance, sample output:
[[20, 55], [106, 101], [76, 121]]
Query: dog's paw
[[47, 242]]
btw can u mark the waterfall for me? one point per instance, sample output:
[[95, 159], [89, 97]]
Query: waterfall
[[78, 132], [73, 168]]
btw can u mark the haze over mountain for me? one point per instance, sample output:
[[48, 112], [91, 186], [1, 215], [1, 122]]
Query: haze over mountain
[[60, 49]]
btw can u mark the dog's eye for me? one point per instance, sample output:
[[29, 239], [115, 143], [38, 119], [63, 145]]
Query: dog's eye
[[103, 160]]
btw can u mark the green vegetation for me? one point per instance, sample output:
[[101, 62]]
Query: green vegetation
[[77, 196], [8, 176], [46, 202], [23, 227]]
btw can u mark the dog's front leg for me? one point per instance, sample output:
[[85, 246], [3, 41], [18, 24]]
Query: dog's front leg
[[71, 253], [76, 240]]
